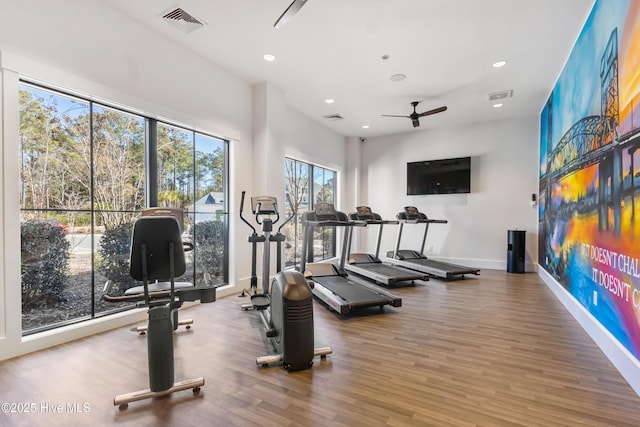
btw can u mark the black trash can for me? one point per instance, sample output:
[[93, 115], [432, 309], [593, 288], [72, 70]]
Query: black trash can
[[515, 251]]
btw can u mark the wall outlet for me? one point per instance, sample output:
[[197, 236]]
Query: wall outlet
[[595, 297]]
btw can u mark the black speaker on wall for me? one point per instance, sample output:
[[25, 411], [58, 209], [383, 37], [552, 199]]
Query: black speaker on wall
[[515, 251]]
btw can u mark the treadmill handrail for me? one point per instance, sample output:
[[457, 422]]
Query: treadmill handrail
[[330, 218], [335, 223], [371, 218], [327, 223], [423, 221], [411, 215], [333, 219], [381, 221]]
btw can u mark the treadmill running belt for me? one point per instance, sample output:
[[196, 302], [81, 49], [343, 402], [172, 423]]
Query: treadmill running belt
[[350, 292], [445, 266], [391, 271]]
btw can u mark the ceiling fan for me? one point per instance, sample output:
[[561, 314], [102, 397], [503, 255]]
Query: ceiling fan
[[415, 117], [289, 12]]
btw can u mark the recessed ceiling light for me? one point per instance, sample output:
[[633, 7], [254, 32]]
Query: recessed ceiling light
[[269, 57], [499, 64], [329, 101], [498, 105], [398, 77], [365, 126]]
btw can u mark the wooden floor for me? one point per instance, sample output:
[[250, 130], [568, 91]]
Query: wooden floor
[[492, 350]]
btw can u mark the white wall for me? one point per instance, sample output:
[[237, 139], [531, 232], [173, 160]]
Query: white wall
[[354, 173], [504, 174]]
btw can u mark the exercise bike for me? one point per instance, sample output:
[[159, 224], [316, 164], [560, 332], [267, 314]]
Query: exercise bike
[[157, 254], [285, 306]]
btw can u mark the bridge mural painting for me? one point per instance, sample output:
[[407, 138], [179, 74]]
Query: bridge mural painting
[[589, 186]]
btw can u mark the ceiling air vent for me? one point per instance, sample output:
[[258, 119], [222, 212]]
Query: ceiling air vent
[[495, 96], [333, 117], [182, 20]]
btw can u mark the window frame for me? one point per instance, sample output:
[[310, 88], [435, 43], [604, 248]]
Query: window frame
[[311, 193], [150, 188]]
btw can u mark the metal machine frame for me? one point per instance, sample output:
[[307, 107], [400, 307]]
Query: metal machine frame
[[370, 266], [415, 260], [332, 284]]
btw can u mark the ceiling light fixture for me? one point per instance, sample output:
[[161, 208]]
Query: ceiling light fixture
[[329, 101], [365, 126], [269, 57], [398, 77], [497, 105], [499, 64]]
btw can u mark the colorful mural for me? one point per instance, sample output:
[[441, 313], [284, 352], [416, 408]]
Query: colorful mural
[[590, 171]]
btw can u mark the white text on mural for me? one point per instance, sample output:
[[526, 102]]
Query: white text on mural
[[616, 262]]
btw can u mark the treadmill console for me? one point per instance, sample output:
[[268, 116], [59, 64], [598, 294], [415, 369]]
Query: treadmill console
[[411, 213], [364, 213], [325, 211]]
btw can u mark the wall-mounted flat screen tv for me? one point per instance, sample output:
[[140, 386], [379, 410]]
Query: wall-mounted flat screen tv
[[445, 176]]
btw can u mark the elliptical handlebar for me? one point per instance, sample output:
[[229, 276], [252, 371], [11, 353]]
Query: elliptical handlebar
[[293, 213], [273, 211], [241, 217]]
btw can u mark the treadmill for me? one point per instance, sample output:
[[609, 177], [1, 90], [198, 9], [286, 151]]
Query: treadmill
[[370, 266], [415, 260], [332, 284]]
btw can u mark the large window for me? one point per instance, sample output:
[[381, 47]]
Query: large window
[[87, 171], [191, 176], [306, 185]]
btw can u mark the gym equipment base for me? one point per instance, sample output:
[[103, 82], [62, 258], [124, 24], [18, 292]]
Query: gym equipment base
[[123, 400], [143, 329], [265, 361]]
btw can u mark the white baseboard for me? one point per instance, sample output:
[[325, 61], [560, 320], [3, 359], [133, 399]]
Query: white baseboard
[[622, 359], [489, 264], [46, 339]]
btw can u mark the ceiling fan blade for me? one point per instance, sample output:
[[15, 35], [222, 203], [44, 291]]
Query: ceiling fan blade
[[389, 115], [289, 12], [434, 111], [415, 122]]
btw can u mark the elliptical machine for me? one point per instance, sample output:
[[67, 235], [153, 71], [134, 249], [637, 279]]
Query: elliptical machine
[[285, 307]]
